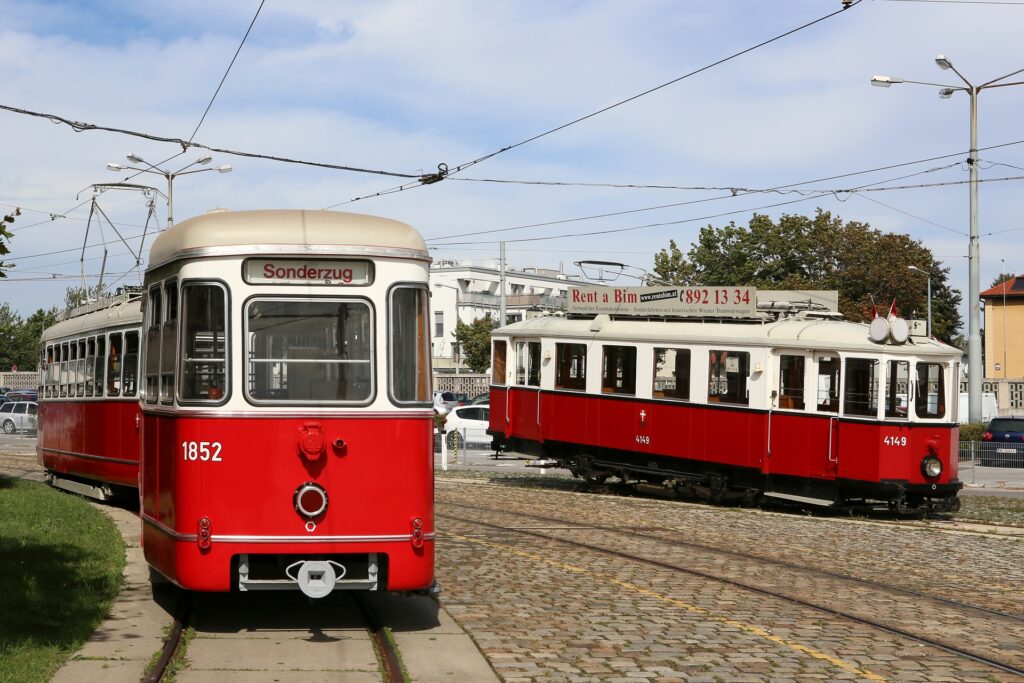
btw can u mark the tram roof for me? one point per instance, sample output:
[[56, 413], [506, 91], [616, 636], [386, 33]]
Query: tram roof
[[118, 314], [287, 231], [794, 332]]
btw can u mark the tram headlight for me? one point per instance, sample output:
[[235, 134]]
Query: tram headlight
[[931, 467]]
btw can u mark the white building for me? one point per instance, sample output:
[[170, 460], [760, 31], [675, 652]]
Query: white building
[[467, 292]]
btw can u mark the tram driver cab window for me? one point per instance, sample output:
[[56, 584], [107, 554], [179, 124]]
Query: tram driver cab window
[[204, 343], [528, 363], [860, 396]]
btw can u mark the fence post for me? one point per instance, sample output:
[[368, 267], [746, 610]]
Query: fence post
[[444, 452], [974, 462]]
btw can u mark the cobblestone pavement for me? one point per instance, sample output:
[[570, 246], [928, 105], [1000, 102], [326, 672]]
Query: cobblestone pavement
[[544, 611]]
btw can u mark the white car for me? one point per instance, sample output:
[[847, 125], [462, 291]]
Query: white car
[[18, 416], [467, 424]]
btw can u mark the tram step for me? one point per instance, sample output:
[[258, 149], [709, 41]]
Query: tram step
[[800, 499]]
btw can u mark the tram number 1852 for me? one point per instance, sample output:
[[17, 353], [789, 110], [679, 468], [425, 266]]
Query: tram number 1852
[[201, 450]]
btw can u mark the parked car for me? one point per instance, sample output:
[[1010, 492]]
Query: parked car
[[1002, 442], [479, 398], [18, 416], [448, 400], [467, 423], [22, 395]]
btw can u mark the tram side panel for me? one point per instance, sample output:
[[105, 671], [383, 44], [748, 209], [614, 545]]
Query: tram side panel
[[90, 440], [242, 476]]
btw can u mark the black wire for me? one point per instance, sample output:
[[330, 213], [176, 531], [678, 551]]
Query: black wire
[[964, 2], [80, 126], [223, 78]]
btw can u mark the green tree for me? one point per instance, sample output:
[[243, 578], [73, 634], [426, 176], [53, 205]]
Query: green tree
[[866, 266], [29, 336], [475, 341], [1001, 278], [5, 236], [10, 332]]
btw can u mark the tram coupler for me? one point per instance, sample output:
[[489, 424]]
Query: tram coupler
[[316, 578]]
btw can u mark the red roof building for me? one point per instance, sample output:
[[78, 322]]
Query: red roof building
[[1004, 329]]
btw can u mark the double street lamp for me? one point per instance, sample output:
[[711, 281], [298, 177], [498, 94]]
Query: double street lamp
[[973, 255], [929, 275], [169, 175]]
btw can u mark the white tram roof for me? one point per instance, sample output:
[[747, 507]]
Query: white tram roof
[[788, 333], [117, 314], [287, 232]]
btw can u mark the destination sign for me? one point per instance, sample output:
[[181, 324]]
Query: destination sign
[[672, 301], [307, 272]]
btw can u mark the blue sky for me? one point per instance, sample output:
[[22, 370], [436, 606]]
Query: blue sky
[[404, 86]]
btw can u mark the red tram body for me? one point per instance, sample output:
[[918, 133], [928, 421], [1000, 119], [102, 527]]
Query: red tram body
[[88, 400], [798, 405], [287, 433]]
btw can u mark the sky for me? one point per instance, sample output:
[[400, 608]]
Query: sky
[[402, 86]]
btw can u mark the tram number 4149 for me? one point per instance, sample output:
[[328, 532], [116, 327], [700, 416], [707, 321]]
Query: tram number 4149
[[201, 450], [894, 440]]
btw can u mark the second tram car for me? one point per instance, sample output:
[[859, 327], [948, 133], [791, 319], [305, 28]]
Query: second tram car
[[88, 398], [795, 405], [286, 413]]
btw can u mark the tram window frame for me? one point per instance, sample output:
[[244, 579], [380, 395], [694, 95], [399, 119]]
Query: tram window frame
[[369, 377], [99, 363], [130, 381], [792, 377], [90, 365], [499, 362], [618, 369], [734, 382], [528, 363], [571, 366], [154, 317], [853, 387], [80, 373], [115, 363], [168, 341], [827, 398], [409, 359], [48, 377], [678, 369], [923, 392], [64, 369], [893, 371], [198, 384]]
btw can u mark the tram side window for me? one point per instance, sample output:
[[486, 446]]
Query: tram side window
[[168, 339], [154, 310], [131, 364], [571, 368], [90, 366], [64, 370], [114, 365], [81, 368], [99, 362], [310, 351], [498, 362], [727, 377], [930, 397], [791, 382], [204, 342], [410, 345], [828, 385], [528, 364], [618, 370], [672, 373], [861, 394], [897, 383], [49, 379]]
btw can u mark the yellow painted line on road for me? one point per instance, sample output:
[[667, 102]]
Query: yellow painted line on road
[[749, 628]]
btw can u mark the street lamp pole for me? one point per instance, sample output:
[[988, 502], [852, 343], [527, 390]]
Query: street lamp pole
[[974, 253], [929, 276], [168, 175]]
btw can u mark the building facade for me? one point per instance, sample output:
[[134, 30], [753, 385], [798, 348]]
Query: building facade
[[1004, 352]]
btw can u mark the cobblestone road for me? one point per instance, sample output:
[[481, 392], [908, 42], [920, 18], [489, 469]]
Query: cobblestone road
[[543, 611]]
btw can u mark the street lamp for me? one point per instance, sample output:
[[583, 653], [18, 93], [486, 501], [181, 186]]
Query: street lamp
[[169, 175], [929, 275], [973, 254]]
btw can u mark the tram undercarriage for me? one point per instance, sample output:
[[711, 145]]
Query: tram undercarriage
[[718, 483]]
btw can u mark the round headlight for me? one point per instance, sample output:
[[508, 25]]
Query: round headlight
[[931, 467], [310, 500]]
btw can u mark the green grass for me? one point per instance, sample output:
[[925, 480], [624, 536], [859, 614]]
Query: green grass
[[60, 569], [992, 509]]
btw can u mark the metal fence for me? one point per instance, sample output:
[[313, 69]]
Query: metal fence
[[992, 464]]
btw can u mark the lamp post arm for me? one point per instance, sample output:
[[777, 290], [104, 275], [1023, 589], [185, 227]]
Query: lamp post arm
[[996, 80], [1001, 85], [954, 70]]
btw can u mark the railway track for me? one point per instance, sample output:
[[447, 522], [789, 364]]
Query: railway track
[[892, 626], [384, 647]]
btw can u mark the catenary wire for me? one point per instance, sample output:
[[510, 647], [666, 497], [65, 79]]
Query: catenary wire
[[907, 213], [226, 72]]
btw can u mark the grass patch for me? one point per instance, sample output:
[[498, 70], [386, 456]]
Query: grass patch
[[60, 569], [992, 510]]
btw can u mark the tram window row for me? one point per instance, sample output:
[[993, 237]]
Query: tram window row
[[811, 382], [91, 366]]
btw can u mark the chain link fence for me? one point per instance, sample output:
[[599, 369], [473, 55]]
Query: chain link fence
[[987, 463]]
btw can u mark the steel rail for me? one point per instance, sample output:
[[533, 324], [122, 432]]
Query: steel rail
[[385, 647], [174, 640], [982, 659]]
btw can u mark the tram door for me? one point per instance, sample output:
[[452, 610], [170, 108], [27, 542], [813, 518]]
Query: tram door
[[524, 398], [827, 392]]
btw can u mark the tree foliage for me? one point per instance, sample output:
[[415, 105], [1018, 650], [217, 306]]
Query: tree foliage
[[866, 266], [475, 341], [5, 237], [1001, 278], [19, 339]]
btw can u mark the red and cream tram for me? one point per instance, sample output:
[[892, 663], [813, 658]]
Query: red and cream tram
[[286, 413], [792, 404], [88, 398]]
